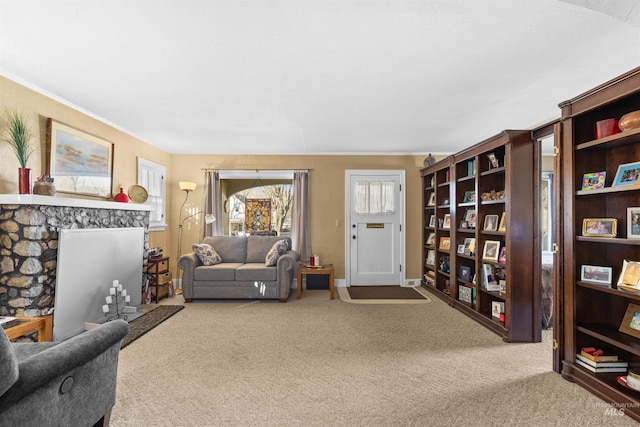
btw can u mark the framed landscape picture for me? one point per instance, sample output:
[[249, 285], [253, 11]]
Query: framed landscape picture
[[596, 274], [79, 162]]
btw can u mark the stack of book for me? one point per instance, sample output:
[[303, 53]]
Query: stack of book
[[598, 362]]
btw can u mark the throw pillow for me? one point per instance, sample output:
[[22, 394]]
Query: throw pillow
[[278, 248], [206, 253]]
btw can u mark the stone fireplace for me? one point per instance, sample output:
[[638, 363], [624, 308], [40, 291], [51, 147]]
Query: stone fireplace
[[29, 228]]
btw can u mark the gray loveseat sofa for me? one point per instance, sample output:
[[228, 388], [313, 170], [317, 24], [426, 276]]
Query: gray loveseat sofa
[[242, 274]]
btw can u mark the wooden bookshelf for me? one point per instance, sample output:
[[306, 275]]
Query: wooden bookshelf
[[490, 183], [593, 313]]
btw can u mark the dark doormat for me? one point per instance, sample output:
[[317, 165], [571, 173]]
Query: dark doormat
[[149, 320], [383, 292]]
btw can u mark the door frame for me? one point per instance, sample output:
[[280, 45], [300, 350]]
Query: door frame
[[401, 174]]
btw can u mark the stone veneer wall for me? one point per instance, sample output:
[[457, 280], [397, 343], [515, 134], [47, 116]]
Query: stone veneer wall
[[29, 250]]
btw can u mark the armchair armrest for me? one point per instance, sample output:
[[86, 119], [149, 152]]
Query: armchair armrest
[[188, 263], [40, 368], [287, 269]]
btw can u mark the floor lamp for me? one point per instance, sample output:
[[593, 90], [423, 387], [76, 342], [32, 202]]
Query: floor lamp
[[208, 218]]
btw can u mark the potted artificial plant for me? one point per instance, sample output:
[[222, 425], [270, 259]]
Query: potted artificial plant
[[18, 135]]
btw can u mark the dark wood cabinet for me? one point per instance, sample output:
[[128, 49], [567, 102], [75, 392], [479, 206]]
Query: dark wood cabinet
[[482, 201], [593, 313]]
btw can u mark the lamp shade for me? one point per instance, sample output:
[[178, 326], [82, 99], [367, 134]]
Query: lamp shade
[[187, 186]]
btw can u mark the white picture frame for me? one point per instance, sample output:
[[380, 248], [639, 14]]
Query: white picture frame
[[596, 274]]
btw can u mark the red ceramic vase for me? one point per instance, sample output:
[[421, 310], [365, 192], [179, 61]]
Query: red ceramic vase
[[121, 197], [24, 180]]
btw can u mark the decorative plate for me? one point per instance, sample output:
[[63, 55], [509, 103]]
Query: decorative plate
[[138, 194]]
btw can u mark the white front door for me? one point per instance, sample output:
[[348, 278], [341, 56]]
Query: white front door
[[374, 227]]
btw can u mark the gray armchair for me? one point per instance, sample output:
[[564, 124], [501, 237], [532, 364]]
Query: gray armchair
[[71, 383]]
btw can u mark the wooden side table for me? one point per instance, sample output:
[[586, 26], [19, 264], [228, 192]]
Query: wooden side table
[[325, 269], [159, 277], [22, 326]]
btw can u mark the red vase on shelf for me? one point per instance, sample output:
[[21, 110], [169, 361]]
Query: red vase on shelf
[[24, 180], [121, 197]]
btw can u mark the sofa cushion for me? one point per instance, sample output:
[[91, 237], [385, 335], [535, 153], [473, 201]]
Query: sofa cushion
[[206, 253], [278, 248], [256, 272], [230, 248], [219, 272], [259, 246]]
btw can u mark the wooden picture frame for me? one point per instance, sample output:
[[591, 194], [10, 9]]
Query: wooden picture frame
[[491, 250], [445, 243], [599, 227], [630, 324], [633, 223], [491, 222], [596, 274], [79, 162], [503, 223], [627, 174]]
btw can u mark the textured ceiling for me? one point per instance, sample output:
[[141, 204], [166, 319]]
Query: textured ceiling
[[317, 77]]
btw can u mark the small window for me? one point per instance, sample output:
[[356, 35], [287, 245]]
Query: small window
[[374, 197], [152, 177]]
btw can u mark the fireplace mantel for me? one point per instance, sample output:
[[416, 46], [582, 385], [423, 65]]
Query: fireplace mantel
[[33, 199]]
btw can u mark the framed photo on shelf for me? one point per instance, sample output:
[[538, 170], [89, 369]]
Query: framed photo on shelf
[[447, 221], [491, 250], [593, 181], [631, 321], [633, 223], [464, 273], [470, 246], [445, 243], [629, 279], [491, 222], [432, 199], [599, 227], [490, 282], [469, 197], [431, 257], [431, 240], [445, 202], [503, 287], [503, 255], [627, 174], [596, 274], [503, 222], [432, 221], [470, 218], [493, 161], [461, 248]]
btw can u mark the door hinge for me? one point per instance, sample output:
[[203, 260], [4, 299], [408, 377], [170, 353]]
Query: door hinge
[[555, 248], [556, 151], [555, 344]]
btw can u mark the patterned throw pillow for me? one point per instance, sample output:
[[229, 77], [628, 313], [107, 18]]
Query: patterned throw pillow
[[206, 253], [278, 248]]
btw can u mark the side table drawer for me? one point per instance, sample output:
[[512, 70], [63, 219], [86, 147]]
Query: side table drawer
[[164, 278], [158, 267]]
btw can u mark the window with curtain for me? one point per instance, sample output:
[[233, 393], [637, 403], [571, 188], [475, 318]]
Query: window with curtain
[[374, 197], [152, 177]]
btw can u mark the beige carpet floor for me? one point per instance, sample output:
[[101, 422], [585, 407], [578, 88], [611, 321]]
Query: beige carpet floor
[[318, 362]]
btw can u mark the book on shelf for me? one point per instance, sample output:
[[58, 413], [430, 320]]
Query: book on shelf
[[617, 364], [598, 356], [599, 370]]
